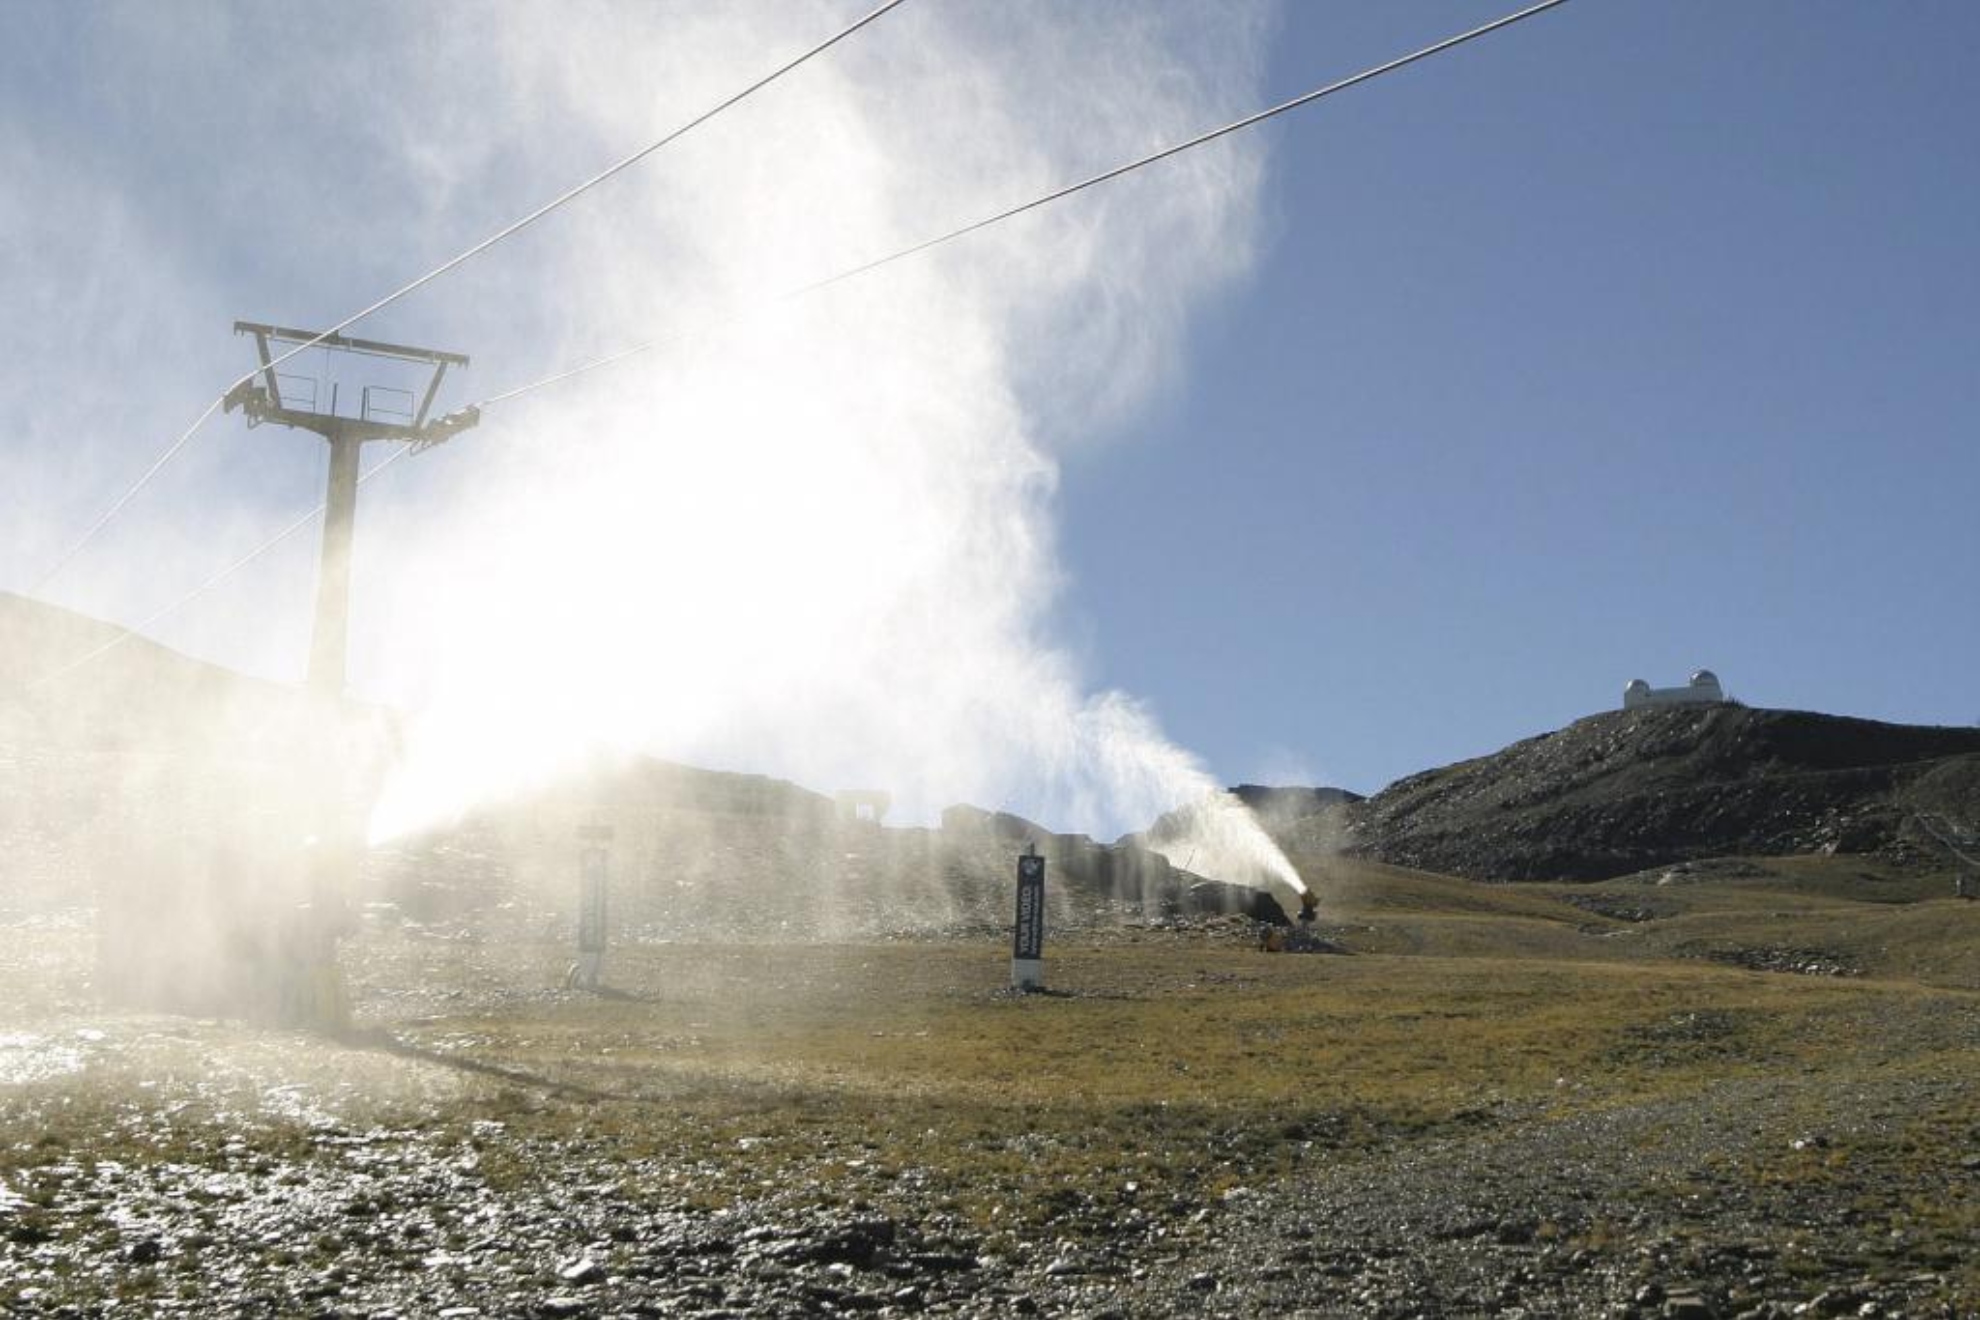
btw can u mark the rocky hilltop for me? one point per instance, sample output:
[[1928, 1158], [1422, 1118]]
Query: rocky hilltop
[[1627, 791]]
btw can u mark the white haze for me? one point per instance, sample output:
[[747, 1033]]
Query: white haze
[[816, 540]]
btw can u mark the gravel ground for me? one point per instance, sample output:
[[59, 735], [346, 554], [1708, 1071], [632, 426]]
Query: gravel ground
[[1577, 1218], [163, 1166], [1658, 1209]]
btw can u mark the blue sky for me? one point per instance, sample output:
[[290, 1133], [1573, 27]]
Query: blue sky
[[1634, 339], [1637, 339]]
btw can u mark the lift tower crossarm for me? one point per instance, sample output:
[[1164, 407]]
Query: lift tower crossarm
[[370, 347], [264, 403]]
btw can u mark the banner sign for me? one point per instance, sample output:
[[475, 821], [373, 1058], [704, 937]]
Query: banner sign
[[1029, 945]]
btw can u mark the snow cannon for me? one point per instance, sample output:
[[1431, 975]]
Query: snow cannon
[[1302, 938]]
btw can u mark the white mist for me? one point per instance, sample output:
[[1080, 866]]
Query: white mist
[[818, 541]]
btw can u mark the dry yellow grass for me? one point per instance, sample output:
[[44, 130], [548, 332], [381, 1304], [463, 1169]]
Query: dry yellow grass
[[1163, 1070]]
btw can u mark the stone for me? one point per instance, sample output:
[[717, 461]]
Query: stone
[[1688, 1306]]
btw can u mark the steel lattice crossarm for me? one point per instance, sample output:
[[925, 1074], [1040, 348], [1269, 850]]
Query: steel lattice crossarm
[[262, 399]]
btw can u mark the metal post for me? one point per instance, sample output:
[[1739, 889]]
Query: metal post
[[1028, 941], [588, 973], [311, 913], [327, 655]]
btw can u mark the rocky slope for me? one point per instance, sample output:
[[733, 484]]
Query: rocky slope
[[1627, 791], [69, 678]]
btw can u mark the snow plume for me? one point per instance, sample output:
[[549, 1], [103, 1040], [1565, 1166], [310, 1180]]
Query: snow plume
[[808, 536], [816, 538]]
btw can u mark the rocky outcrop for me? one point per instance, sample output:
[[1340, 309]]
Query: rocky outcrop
[[1125, 871], [1627, 791]]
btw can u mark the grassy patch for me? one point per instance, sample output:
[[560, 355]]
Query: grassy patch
[[1157, 1080]]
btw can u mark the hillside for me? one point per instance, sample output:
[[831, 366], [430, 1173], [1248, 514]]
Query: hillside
[[70, 678], [142, 752], [1628, 791], [143, 728], [805, 1087]]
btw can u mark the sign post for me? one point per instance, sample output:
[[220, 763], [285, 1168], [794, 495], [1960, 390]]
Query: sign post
[[1028, 944], [589, 970]]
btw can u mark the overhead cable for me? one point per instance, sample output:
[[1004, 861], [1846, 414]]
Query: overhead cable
[[852, 272], [206, 586], [1954, 842], [130, 492], [1059, 194], [508, 231]]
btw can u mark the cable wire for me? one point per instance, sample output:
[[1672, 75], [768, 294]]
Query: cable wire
[[1047, 199], [1952, 842], [206, 586], [130, 493], [508, 231], [850, 273]]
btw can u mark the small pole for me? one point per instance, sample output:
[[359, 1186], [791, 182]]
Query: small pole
[[1028, 943], [588, 973]]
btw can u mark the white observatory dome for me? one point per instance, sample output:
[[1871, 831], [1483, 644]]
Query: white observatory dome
[[1702, 690]]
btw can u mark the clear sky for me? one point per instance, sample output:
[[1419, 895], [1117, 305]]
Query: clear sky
[[1641, 338], [1635, 339]]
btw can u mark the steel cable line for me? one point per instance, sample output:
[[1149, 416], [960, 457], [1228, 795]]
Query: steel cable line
[[570, 194], [130, 492], [850, 273], [1942, 829], [1047, 199], [206, 586]]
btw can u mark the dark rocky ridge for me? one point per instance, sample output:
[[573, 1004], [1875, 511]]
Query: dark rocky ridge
[[1292, 803], [1126, 871], [1627, 791], [711, 854]]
